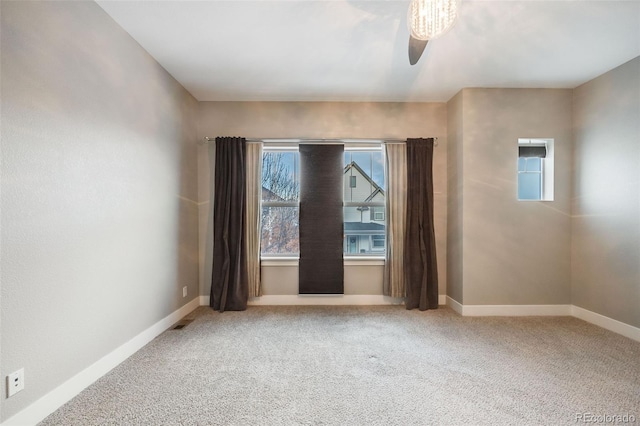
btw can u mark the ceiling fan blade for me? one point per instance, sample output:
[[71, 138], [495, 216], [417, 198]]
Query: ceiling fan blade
[[416, 47]]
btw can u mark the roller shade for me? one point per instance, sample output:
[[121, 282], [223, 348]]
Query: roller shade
[[532, 151], [321, 268]]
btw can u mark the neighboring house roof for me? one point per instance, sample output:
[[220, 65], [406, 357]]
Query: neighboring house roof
[[360, 226], [374, 193], [267, 194], [377, 189]]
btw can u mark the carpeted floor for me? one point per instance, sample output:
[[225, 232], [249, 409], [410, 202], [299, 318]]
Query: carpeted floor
[[366, 366]]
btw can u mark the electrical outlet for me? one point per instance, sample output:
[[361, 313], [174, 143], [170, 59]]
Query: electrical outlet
[[15, 382], [184, 291]]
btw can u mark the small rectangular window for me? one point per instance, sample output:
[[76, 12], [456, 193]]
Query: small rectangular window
[[535, 169], [378, 241], [377, 214], [352, 182]]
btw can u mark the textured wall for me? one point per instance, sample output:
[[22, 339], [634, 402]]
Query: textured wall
[[514, 252], [605, 261], [455, 199], [358, 279], [329, 120], [99, 218]]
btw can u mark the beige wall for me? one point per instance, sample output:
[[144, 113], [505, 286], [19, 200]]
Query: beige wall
[[606, 197], [514, 252], [358, 279], [329, 120], [98, 203], [455, 199]]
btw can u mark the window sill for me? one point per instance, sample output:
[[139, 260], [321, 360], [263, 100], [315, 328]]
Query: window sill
[[348, 261], [280, 261], [364, 261]]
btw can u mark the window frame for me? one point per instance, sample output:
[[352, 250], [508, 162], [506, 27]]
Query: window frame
[[546, 168], [283, 259], [377, 254], [284, 203]]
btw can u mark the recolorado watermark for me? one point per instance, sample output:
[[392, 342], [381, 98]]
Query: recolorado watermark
[[605, 418]]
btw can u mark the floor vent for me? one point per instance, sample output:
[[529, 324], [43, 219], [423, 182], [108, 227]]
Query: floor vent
[[182, 324]]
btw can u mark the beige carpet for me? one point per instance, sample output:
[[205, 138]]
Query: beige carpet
[[366, 366]]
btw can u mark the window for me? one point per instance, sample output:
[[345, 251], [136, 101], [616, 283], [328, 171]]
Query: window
[[280, 202], [378, 241], [364, 221], [535, 169], [377, 213], [364, 202]]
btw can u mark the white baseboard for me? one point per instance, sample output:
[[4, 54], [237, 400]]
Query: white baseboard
[[453, 304], [348, 299], [515, 310], [50, 402], [508, 310], [607, 323], [546, 310]]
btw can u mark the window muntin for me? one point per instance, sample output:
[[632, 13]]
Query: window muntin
[[280, 203], [364, 203]]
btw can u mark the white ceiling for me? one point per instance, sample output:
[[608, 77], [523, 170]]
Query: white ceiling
[[350, 50]]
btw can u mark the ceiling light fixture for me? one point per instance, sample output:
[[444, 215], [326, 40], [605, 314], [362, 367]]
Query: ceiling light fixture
[[429, 19]]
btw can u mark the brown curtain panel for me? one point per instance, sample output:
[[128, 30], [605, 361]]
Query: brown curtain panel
[[421, 273], [229, 282]]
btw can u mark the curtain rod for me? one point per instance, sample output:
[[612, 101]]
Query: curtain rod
[[327, 141]]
